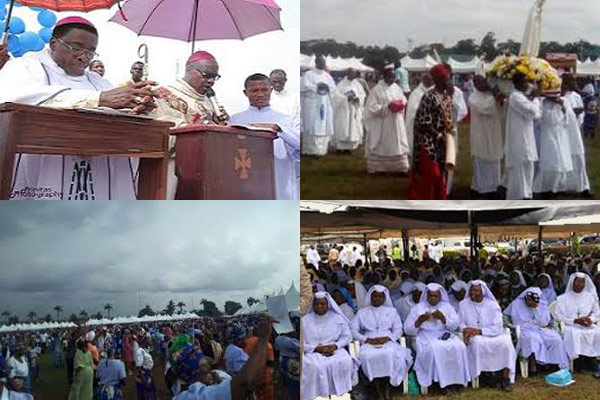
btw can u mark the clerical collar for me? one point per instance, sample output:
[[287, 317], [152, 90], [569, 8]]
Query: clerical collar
[[260, 109], [189, 90]]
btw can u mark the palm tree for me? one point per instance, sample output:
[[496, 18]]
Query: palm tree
[[108, 307], [6, 314], [83, 314], [180, 305], [32, 315], [58, 310]]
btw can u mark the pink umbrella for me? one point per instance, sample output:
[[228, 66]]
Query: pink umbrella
[[191, 20], [268, 3]]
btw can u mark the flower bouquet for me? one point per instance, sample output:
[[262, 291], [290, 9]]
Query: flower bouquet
[[538, 71]]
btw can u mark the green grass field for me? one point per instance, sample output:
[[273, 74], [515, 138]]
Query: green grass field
[[344, 176]]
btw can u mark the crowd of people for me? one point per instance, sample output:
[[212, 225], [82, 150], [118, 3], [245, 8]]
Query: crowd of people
[[448, 321], [69, 74], [521, 145], [208, 359]]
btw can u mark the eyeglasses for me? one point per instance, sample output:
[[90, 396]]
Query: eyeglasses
[[78, 51], [207, 75]]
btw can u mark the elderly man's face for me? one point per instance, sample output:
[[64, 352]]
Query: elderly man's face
[[321, 306], [434, 297], [278, 81], [377, 299], [476, 293], [72, 51], [137, 72], [98, 67], [578, 285], [203, 75]]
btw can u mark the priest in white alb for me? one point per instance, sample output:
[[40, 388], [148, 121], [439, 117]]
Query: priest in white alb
[[555, 162], [57, 77], [317, 89], [348, 113], [578, 309], [282, 99], [386, 146], [490, 348], [377, 327], [520, 150], [286, 148], [487, 139]]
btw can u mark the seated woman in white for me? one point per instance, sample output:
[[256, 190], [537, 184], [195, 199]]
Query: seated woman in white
[[327, 368], [490, 348], [378, 326], [539, 343], [578, 308], [441, 355]]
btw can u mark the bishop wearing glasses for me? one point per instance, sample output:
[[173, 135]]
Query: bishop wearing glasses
[[188, 102]]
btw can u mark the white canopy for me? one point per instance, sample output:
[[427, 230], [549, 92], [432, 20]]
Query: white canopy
[[465, 67], [588, 67], [36, 326], [418, 64], [334, 63], [137, 320]]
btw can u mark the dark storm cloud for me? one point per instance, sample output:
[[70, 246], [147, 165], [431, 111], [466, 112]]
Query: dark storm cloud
[[84, 255]]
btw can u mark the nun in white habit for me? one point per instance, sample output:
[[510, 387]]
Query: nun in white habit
[[327, 368], [490, 348], [441, 355], [578, 309], [377, 327], [405, 303], [530, 311], [458, 291]]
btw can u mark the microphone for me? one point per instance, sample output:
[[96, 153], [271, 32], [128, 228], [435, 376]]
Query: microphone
[[210, 94]]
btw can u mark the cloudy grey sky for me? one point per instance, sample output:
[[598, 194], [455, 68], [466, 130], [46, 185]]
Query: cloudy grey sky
[[381, 22], [84, 255]]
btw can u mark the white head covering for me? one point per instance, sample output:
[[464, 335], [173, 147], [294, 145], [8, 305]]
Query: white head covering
[[521, 278], [434, 287], [589, 285], [379, 289], [90, 336], [333, 307], [458, 285], [518, 310], [487, 293]]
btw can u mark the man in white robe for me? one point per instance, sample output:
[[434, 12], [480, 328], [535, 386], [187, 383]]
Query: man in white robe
[[554, 148], [327, 368], [386, 146], [490, 348], [520, 149], [538, 342], [413, 105], [377, 327], [459, 112], [283, 100], [487, 139], [441, 355], [57, 77], [577, 180], [317, 88], [348, 113], [286, 148], [357, 256], [579, 310], [313, 257]]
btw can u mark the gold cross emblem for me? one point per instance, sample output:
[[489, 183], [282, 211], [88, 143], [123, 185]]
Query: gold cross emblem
[[243, 163]]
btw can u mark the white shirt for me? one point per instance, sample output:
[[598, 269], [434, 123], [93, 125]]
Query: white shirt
[[143, 359], [486, 127], [520, 140], [18, 368]]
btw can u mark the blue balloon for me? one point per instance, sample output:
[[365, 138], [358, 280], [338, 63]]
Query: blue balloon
[[36, 8], [3, 3], [2, 12], [45, 34], [39, 43], [16, 25], [28, 40], [13, 43], [47, 18], [2, 26]]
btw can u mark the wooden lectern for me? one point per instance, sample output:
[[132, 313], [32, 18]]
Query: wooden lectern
[[224, 162], [44, 130]]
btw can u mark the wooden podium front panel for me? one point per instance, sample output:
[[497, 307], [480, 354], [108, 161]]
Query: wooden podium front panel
[[45, 130], [224, 163]]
